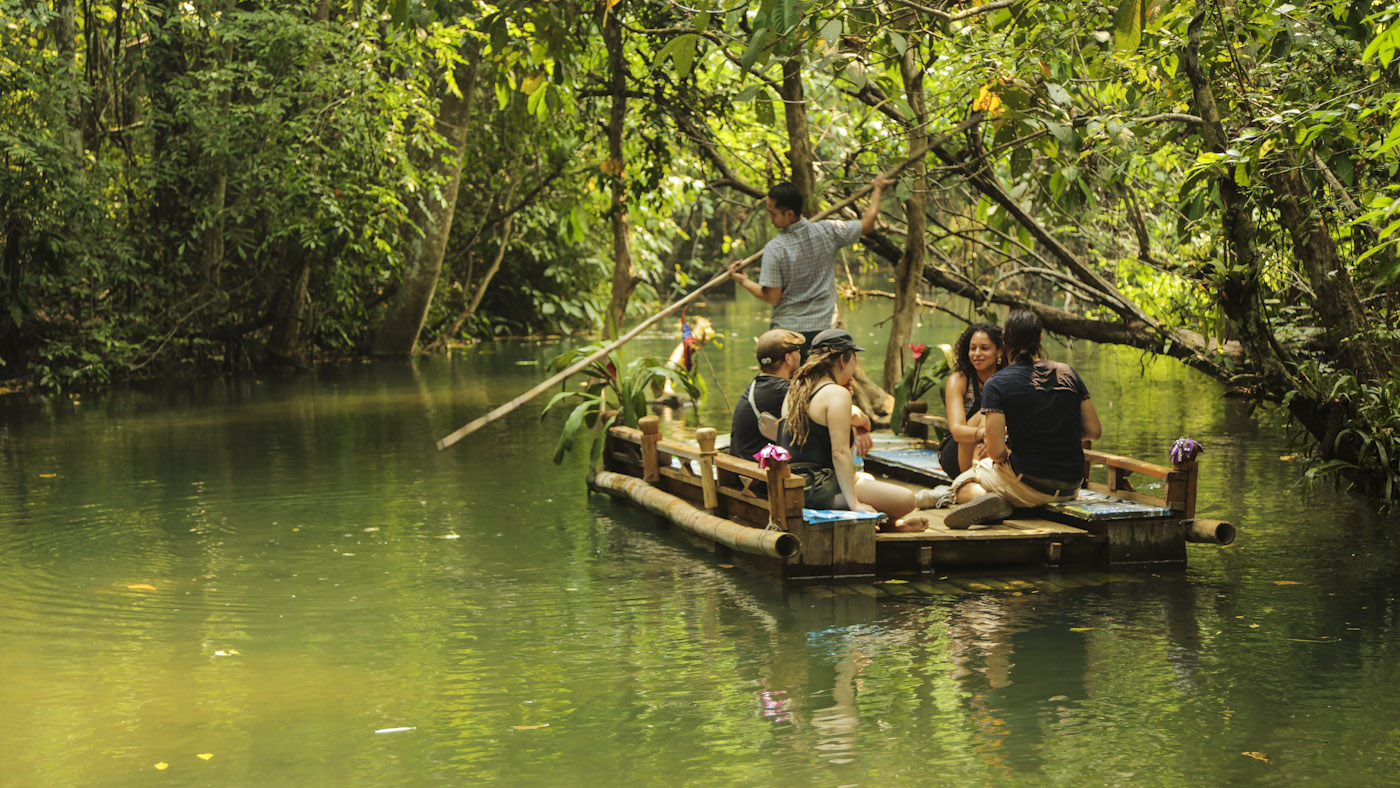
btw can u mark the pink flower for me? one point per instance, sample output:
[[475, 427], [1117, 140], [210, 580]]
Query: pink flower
[[918, 351], [771, 452]]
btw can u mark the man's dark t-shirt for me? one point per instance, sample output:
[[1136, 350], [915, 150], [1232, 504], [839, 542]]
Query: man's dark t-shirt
[[768, 392], [1044, 422]]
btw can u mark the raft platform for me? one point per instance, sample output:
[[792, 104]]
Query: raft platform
[[738, 507]]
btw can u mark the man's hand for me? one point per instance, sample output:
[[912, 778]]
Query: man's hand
[[863, 441], [736, 274]]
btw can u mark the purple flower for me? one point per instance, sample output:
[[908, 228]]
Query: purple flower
[[1185, 450], [771, 452]]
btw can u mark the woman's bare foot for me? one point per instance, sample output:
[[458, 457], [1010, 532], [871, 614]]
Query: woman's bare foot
[[910, 525]]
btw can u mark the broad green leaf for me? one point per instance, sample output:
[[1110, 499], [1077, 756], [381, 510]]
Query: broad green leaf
[[685, 54], [755, 49], [1127, 25], [1057, 94], [831, 32]]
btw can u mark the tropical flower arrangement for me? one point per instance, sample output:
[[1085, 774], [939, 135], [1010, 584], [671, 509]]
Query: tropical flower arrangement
[[923, 376]]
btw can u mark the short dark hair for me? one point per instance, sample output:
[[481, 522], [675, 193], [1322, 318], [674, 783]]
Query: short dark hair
[[787, 197], [1022, 335]]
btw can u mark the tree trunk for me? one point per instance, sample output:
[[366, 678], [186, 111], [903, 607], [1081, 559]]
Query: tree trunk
[[624, 278], [65, 31], [398, 332], [908, 273], [800, 156]]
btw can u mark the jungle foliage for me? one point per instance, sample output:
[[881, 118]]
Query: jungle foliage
[[230, 185]]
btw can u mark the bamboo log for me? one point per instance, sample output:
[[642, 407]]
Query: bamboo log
[[1209, 531], [758, 541], [719, 279]]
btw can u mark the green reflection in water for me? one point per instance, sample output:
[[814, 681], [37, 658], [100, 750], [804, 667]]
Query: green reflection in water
[[321, 572]]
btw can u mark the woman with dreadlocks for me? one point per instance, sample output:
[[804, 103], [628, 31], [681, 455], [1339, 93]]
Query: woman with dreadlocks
[[816, 430]]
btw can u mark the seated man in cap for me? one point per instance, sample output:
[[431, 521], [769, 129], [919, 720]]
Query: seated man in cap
[[778, 352], [816, 429]]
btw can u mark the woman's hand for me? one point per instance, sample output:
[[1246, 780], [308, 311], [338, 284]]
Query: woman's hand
[[862, 507]]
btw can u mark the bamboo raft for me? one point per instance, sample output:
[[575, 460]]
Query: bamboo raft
[[710, 494]]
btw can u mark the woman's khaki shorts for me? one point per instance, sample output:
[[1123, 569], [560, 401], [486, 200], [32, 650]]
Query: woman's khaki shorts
[[999, 478]]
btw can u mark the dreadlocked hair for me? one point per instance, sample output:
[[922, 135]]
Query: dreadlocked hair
[[820, 364], [964, 362]]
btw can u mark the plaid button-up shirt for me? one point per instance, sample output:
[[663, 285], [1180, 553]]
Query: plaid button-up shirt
[[801, 259]]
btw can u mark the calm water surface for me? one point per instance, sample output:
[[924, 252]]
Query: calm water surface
[[283, 582]]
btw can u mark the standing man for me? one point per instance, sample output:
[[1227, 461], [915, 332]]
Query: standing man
[[798, 276]]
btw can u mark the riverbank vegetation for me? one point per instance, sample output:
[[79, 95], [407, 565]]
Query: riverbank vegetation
[[222, 186]]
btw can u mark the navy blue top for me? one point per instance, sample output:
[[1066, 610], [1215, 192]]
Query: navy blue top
[[1044, 422]]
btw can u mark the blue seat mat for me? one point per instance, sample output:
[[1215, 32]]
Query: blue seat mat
[[1093, 505], [839, 515], [921, 461]]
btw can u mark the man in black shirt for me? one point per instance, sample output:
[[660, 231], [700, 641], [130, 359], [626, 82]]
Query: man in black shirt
[[779, 352]]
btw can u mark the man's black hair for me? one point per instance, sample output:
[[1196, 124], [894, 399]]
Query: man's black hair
[[787, 197]]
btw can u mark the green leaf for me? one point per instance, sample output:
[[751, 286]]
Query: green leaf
[[831, 32], [685, 55], [1127, 25], [755, 50], [763, 112]]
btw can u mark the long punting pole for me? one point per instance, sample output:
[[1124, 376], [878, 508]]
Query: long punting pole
[[720, 278]]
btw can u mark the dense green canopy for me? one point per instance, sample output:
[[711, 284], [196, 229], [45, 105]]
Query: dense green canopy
[[229, 185]]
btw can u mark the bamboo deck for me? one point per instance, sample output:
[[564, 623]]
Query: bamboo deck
[[709, 494]]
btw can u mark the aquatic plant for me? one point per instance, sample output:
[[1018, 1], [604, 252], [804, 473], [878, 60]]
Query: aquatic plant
[[921, 378], [629, 388]]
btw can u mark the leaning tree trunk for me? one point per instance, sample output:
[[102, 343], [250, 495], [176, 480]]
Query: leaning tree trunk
[[398, 332], [908, 273], [625, 278]]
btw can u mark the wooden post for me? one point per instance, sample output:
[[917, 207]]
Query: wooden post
[[705, 436], [1087, 464], [910, 428], [1181, 488], [1118, 479], [778, 474], [651, 433]]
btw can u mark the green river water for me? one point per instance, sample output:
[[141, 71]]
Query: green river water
[[286, 576]]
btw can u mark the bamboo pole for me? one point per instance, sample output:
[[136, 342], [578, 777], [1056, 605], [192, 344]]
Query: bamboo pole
[[758, 541], [719, 279]]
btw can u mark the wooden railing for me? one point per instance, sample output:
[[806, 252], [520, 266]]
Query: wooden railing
[[723, 492], [1179, 493]]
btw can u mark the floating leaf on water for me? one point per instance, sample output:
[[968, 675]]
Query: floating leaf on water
[[1259, 756], [1080, 629], [726, 566], [1253, 626], [47, 475], [530, 727], [894, 580], [1288, 582], [141, 587], [204, 756], [162, 766]]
